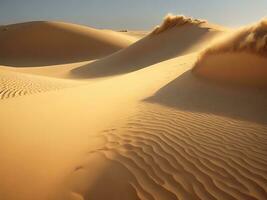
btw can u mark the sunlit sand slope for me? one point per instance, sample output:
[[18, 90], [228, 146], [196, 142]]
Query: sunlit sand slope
[[169, 42], [136, 34], [46, 43], [191, 139], [163, 153]]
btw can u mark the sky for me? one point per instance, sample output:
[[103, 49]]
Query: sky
[[131, 14]]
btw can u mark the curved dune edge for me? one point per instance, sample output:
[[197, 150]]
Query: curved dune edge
[[46, 43], [14, 84], [163, 153], [237, 59], [172, 42], [134, 33], [171, 21]]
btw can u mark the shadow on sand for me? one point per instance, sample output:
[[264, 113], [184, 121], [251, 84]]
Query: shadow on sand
[[194, 94]]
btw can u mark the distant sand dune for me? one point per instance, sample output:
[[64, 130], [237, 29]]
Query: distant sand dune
[[151, 49], [238, 59], [48, 43], [13, 84]]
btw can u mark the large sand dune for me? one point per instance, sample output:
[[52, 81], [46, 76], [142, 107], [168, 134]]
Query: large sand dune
[[160, 132], [175, 40], [238, 59], [47, 43]]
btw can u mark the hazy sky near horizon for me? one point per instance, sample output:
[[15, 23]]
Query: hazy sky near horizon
[[131, 14]]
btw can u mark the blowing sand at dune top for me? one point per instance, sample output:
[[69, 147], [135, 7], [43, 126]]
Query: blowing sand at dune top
[[171, 21], [239, 58]]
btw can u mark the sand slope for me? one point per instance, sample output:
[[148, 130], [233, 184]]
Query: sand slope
[[47, 43], [57, 71], [185, 141], [136, 34], [13, 84], [175, 41], [157, 133], [166, 154]]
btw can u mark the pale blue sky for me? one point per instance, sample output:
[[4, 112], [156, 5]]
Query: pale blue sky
[[131, 14]]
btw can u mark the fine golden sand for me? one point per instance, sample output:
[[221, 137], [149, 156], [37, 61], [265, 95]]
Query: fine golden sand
[[178, 113]]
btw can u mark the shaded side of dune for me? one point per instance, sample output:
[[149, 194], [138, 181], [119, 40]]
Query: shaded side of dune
[[48, 43], [194, 94]]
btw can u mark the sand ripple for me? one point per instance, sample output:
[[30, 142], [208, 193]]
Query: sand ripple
[[14, 84], [181, 155]]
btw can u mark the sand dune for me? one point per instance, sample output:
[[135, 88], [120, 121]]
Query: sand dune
[[238, 59], [48, 43], [181, 145], [154, 48], [158, 133]]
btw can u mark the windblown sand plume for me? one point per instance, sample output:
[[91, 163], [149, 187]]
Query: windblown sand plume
[[250, 39], [239, 58], [171, 21]]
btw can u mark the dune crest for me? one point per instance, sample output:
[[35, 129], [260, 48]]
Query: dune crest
[[239, 58], [171, 21], [154, 48]]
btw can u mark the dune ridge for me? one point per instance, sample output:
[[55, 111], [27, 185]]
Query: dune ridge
[[152, 49], [171, 21], [237, 59]]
